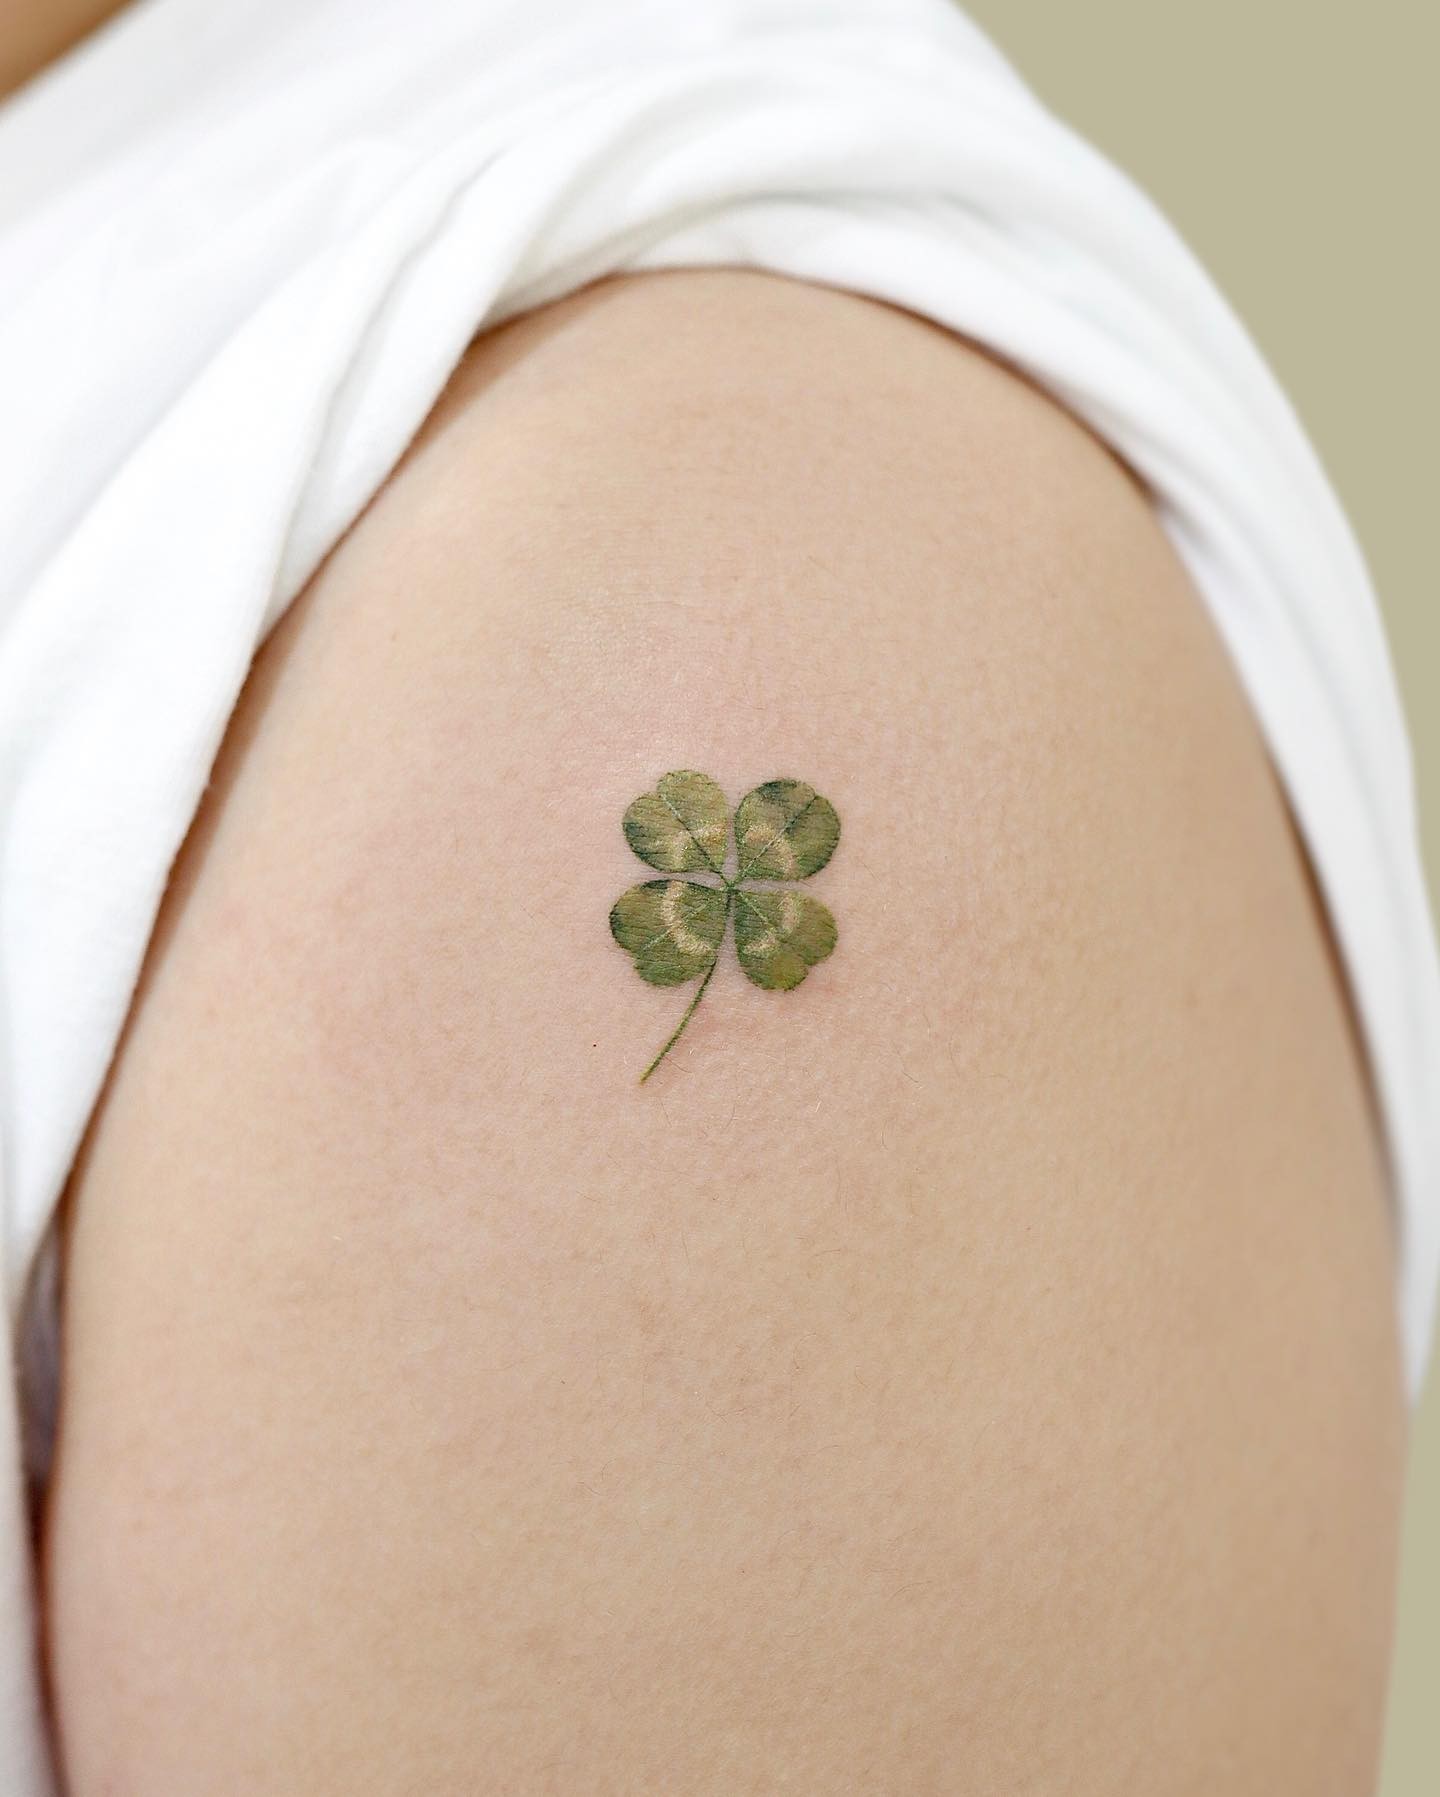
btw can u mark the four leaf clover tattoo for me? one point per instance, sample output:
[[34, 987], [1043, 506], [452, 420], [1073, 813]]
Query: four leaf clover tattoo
[[675, 929]]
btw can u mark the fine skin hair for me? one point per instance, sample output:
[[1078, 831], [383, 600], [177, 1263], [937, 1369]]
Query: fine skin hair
[[971, 1370]]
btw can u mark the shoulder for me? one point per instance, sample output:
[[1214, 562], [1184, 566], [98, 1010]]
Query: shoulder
[[912, 1331]]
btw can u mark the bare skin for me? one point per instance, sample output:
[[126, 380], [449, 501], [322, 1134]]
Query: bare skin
[[34, 32], [971, 1371]]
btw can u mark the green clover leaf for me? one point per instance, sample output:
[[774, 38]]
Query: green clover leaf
[[674, 929], [683, 825], [784, 831], [779, 936]]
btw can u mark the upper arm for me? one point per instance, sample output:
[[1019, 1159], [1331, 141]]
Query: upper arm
[[971, 1370]]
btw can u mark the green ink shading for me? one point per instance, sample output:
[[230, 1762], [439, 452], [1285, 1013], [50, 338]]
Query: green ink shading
[[674, 929]]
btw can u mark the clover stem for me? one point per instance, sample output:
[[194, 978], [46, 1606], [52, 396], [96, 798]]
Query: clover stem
[[691, 1008]]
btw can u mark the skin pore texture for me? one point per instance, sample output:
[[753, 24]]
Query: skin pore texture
[[971, 1370]]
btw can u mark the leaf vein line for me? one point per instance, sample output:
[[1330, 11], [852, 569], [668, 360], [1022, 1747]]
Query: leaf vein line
[[744, 873], [690, 832], [670, 929]]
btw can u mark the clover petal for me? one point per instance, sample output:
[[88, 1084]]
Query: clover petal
[[779, 936], [681, 827], [784, 830], [673, 928]]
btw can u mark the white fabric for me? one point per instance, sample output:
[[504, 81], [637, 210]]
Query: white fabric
[[241, 248]]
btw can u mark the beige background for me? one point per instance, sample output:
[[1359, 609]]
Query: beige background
[[1294, 145]]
